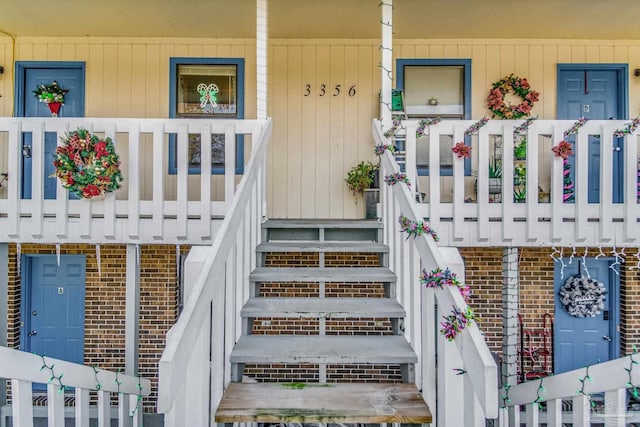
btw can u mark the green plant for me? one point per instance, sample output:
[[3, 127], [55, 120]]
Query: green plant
[[519, 194], [495, 169], [520, 150], [361, 177]]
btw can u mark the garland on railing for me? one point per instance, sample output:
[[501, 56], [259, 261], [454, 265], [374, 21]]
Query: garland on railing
[[395, 178], [424, 124], [396, 125], [632, 363], [524, 126], [474, 128], [539, 392], [455, 322], [54, 377], [380, 149], [438, 278], [583, 380], [628, 129], [415, 229], [95, 374]]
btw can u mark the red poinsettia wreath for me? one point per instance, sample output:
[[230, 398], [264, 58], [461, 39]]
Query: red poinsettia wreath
[[87, 165], [506, 110]]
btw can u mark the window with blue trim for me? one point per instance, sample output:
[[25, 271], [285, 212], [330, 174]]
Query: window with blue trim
[[436, 88], [211, 88]]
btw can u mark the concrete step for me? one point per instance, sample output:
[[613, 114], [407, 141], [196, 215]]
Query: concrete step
[[320, 223], [322, 246], [328, 308], [323, 349], [323, 403], [323, 274], [312, 229]]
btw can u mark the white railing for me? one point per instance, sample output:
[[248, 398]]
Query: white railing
[[24, 369], [461, 208], [152, 206], [597, 395], [195, 367], [442, 388]]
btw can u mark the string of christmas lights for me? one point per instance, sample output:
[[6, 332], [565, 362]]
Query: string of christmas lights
[[53, 377]]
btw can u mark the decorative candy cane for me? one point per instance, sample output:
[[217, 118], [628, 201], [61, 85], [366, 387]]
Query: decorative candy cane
[[208, 94]]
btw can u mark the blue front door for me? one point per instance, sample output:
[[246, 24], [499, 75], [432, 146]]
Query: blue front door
[[53, 313], [30, 75], [583, 341], [594, 93]]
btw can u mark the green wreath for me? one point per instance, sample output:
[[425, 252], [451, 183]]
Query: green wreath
[[520, 87], [87, 165]]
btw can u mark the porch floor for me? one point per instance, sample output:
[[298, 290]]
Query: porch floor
[[324, 403]]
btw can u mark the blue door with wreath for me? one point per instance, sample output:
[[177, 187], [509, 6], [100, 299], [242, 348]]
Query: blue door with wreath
[[29, 75], [586, 313]]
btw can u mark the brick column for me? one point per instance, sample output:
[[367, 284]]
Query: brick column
[[629, 297], [510, 300], [4, 296]]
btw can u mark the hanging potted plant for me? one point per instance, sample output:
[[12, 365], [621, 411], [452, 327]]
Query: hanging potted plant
[[520, 150], [363, 179], [52, 95]]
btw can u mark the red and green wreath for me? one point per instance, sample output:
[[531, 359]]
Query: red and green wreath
[[87, 165], [519, 87]]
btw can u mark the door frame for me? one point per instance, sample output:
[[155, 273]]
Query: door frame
[[614, 300], [26, 287], [21, 74], [622, 74]]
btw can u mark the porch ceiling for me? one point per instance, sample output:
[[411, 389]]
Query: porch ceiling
[[583, 19]]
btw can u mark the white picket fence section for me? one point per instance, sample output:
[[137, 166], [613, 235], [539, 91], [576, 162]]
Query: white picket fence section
[[442, 387], [195, 367], [466, 217], [608, 381], [156, 218], [24, 369]]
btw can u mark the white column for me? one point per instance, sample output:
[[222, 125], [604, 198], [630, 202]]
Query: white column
[[510, 297], [386, 62], [261, 58], [132, 315], [4, 295]]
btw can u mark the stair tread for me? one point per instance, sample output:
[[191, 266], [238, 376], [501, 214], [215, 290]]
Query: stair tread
[[330, 349], [322, 223], [323, 307], [324, 403], [322, 246], [326, 274]]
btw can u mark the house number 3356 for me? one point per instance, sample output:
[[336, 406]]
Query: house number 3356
[[324, 90]]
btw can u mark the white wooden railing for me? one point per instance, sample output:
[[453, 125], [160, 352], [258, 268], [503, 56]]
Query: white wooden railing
[[464, 213], [24, 369], [195, 367], [442, 388], [597, 395], [151, 207]]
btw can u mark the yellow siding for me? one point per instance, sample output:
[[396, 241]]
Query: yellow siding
[[316, 139]]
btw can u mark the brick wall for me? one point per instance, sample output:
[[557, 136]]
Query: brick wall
[[105, 304], [630, 302]]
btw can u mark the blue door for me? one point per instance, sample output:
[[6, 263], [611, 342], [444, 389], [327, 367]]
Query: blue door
[[53, 310], [583, 341], [595, 93], [29, 76]]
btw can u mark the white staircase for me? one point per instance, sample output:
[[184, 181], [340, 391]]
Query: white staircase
[[354, 397]]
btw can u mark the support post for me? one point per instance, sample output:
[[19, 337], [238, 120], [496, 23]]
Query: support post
[[4, 296], [386, 62], [132, 315], [261, 58], [510, 298]]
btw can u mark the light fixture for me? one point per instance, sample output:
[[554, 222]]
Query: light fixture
[[26, 151], [636, 72]]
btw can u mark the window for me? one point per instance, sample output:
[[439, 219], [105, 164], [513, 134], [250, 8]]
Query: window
[[436, 88], [211, 88]]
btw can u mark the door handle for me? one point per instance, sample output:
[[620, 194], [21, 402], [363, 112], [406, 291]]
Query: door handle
[[606, 338], [32, 333]]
